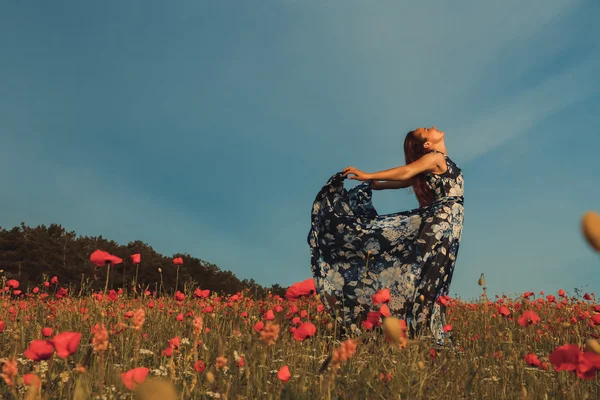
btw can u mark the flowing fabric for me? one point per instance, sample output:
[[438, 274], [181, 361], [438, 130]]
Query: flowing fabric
[[355, 252]]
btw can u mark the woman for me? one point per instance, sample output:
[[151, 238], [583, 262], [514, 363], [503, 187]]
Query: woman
[[355, 252]]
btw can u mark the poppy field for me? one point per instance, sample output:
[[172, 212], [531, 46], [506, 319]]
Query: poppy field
[[196, 344]]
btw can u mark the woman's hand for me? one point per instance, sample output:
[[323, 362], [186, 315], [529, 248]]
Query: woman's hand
[[358, 174]]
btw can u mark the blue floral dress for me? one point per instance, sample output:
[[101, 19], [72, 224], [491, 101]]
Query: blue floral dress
[[355, 252]]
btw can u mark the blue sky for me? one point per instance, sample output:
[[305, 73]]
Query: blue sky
[[208, 127]]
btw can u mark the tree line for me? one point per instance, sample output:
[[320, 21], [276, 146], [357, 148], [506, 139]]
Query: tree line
[[31, 255]]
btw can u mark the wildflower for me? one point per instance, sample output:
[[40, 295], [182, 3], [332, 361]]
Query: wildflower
[[31, 380], [532, 359], [136, 258], [199, 366], [565, 358], [39, 350], [504, 311], [284, 374], [382, 296], [301, 289], [385, 377], [198, 325], [260, 325], [178, 261], [100, 338], [528, 318], [307, 329], [9, 371], [202, 293], [134, 377], [269, 315], [66, 343], [179, 296], [270, 333], [221, 362], [343, 353], [12, 283], [139, 316], [442, 300], [100, 258], [373, 319], [384, 310]]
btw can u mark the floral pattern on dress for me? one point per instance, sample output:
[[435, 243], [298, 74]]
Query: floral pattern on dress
[[411, 253]]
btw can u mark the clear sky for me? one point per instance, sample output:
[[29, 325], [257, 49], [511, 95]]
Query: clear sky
[[209, 126]]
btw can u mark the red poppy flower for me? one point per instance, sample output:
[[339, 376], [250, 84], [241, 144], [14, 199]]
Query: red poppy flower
[[284, 374], [269, 315], [532, 359], [565, 358], [589, 364], [179, 296], [528, 318], [382, 296], [384, 310], [178, 261], [134, 377], [12, 283], [31, 380], [202, 293], [442, 300], [301, 289], [66, 343], [259, 326], [504, 311], [174, 343], [47, 332], [100, 258], [39, 349], [136, 258], [199, 366], [307, 329]]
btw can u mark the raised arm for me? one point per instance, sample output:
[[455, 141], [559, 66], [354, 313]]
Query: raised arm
[[426, 163]]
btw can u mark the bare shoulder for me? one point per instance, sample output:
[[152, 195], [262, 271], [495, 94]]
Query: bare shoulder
[[434, 160], [437, 162]]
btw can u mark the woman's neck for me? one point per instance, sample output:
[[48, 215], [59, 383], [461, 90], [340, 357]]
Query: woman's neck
[[440, 147]]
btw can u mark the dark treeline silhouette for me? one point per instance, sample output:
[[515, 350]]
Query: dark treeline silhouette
[[28, 254]]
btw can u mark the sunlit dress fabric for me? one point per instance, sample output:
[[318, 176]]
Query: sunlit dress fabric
[[410, 253]]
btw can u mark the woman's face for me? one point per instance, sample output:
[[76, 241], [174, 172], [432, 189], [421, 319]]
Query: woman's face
[[431, 135]]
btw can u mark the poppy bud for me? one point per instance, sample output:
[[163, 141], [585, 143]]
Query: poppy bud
[[593, 345], [590, 227]]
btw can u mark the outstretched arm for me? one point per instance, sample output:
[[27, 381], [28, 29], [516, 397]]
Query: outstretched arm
[[382, 185]]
